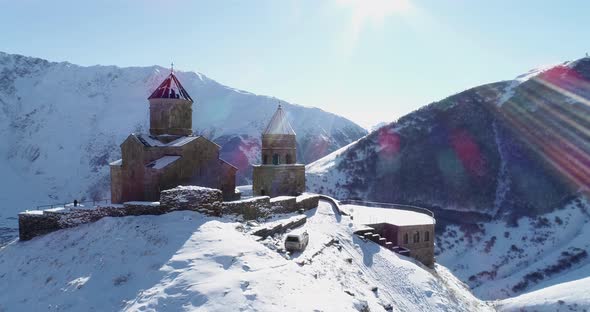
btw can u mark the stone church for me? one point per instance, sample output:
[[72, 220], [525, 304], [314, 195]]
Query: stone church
[[169, 155], [279, 173]]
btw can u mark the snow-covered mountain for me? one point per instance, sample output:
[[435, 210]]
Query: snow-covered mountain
[[186, 261], [506, 169], [61, 124], [503, 150]]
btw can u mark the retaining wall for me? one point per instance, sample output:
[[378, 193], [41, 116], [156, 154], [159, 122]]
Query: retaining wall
[[283, 204], [201, 199], [307, 201], [39, 222], [251, 208]]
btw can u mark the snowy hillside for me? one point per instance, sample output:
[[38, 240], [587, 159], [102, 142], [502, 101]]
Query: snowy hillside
[[185, 261], [506, 169], [61, 124], [532, 259]]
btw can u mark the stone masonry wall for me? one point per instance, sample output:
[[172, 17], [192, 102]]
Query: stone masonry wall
[[201, 199], [307, 201], [283, 204], [194, 198], [277, 180], [251, 208]]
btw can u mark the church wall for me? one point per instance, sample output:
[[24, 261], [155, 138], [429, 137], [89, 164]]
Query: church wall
[[132, 170], [423, 251], [278, 141], [276, 180], [199, 165], [116, 184], [283, 145], [170, 116]]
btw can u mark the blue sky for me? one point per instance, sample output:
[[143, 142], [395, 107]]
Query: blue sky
[[368, 60]]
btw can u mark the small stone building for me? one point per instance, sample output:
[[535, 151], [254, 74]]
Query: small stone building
[[398, 229], [169, 155], [279, 173], [417, 238]]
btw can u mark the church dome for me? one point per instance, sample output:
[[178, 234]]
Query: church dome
[[279, 124], [171, 88]]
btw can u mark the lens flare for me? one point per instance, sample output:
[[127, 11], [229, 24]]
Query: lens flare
[[559, 135]]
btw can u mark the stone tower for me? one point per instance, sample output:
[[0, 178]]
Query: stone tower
[[279, 173], [170, 110]]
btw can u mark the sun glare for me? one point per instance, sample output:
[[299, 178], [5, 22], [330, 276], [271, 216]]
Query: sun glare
[[371, 12]]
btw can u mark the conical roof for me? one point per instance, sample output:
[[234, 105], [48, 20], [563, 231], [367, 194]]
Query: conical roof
[[279, 124], [170, 88]]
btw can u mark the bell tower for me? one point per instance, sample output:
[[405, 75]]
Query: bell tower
[[278, 141], [279, 173], [171, 109]]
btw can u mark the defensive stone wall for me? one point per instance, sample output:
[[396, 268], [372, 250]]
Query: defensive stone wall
[[283, 204], [307, 201], [251, 208], [195, 198], [39, 222]]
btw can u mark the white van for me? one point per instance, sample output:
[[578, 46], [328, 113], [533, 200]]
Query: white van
[[296, 241]]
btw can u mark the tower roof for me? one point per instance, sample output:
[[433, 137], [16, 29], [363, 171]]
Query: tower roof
[[279, 124], [170, 88]]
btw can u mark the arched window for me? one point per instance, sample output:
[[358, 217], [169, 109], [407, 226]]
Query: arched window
[[406, 238], [275, 159], [416, 237], [427, 236], [288, 159], [265, 159]]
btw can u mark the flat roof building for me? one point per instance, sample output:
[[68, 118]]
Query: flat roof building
[[403, 228]]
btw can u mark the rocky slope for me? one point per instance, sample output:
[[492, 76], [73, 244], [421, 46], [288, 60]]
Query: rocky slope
[[61, 124]]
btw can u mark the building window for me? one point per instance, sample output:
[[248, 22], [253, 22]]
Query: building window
[[265, 159], [288, 159], [406, 238], [427, 236], [275, 159], [416, 237]]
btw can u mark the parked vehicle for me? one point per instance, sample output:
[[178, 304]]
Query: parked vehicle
[[296, 241]]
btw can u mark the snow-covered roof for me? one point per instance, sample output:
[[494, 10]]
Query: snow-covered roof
[[227, 163], [170, 88], [116, 162], [182, 141], [278, 124], [32, 212], [372, 215], [148, 140], [163, 162], [58, 210], [142, 203]]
